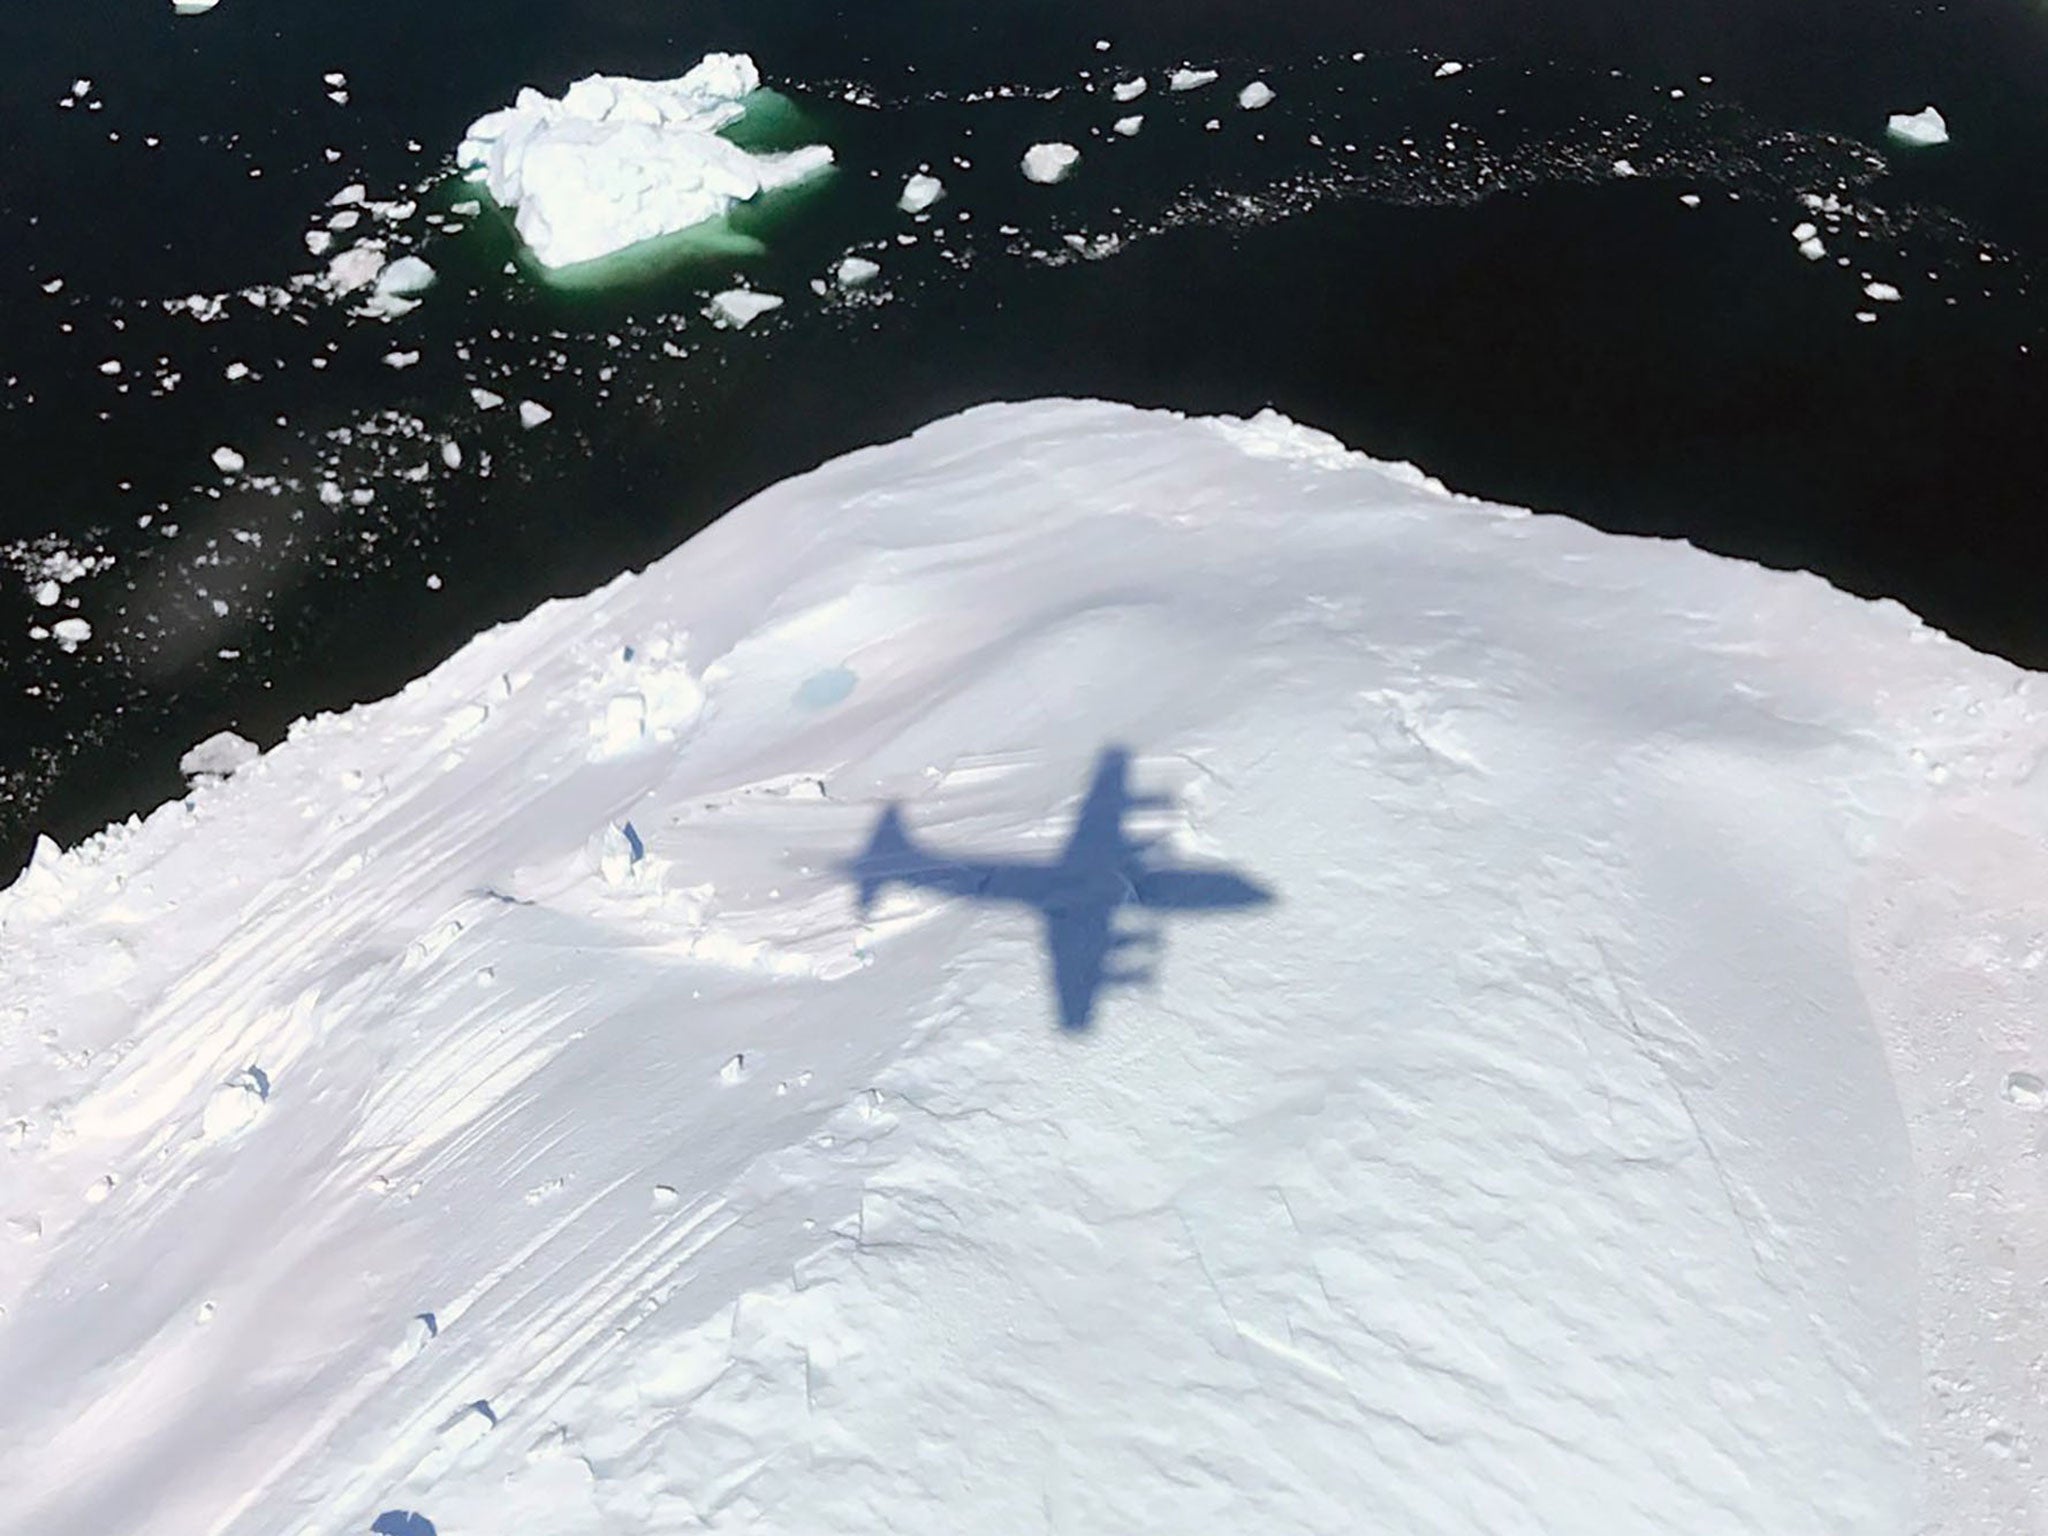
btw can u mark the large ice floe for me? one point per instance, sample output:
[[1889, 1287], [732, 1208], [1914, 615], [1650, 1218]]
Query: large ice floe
[[1084, 971], [615, 162]]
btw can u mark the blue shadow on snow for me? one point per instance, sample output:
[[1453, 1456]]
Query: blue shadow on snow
[[1103, 873]]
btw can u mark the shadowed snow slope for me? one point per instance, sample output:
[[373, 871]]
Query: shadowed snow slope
[[1565, 1057]]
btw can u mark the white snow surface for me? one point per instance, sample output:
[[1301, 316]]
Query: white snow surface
[[493, 1103], [616, 161]]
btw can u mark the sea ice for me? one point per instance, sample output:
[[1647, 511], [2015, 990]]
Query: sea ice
[[405, 278], [1190, 79], [737, 308], [355, 268], [192, 7], [616, 161], [856, 272], [1448, 68], [1047, 163], [1917, 130], [1254, 96], [1882, 293], [1129, 90], [1128, 126], [228, 461], [533, 414], [920, 192]]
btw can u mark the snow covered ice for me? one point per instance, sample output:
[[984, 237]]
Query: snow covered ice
[[614, 161], [1561, 1052], [856, 272], [1048, 163], [737, 308], [1917, 130], [920, 192]]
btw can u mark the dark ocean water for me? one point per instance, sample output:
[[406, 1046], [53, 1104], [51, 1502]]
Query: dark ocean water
[[1444, 270]]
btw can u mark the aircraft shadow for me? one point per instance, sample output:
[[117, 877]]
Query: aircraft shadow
[[1087, 900]]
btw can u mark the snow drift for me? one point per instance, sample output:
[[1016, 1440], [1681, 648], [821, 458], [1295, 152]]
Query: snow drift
[[616, 161], [619, 1083]]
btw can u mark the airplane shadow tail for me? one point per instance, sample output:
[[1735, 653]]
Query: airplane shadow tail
[[889, 855]]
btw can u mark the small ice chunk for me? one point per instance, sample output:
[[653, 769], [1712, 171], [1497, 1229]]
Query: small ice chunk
[[47, 593], [319, 242], [1804, 231], [235, 372], [334, 78], [1623, 168], [71, 633], [400, 359], [856, 272], [1448, 68], [1690, 199], [219, 755], [1047, 163], [1882, 293], [192, 7], [451, 454], [1917, 130], [111, 366], [1190, 79], [486, 400], [920, 192], [1129, 90], [356, 267], [1254, 96], [1812, 249], [227, 461], [1128, 126], [405, 277], [738, 308], [533, 414]]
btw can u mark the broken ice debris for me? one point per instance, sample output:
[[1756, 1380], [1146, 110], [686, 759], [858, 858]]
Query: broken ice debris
[[1047, 163], [1917, 130], [920, 192], [737, 308], [856, 272]]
